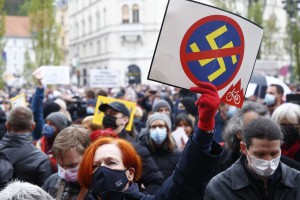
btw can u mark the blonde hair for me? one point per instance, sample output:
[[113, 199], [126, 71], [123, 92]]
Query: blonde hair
[[74, 136]]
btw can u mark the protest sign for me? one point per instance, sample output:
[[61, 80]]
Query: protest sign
[[19, 100], [98, 115], [180, 137], [198, 42], [55, 75], [104, 78]]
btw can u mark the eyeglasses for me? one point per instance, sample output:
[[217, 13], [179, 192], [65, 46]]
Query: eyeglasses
[[159, 126]]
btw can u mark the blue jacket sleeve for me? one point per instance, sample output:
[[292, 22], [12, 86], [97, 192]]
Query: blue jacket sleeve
[[194, 169], [37, 109]]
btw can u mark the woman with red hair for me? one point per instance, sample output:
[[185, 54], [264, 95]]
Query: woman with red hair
[[111, 166]]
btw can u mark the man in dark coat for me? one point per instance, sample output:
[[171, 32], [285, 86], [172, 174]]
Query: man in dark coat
[[259, 173], [30, 165]]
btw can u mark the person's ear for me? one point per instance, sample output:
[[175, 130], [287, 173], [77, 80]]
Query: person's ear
[[32, 126], [130, 174], [239, 135], [126, 119], [243, 147], [7, 126]]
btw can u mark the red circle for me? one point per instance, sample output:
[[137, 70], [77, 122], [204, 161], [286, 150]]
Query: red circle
[[191, 30]]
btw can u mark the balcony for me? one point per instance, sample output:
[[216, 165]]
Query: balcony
[[131, 32]]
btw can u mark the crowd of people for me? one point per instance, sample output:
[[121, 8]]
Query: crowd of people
[[55, 145]]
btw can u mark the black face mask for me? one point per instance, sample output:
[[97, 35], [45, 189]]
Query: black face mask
[[105, 179], [290, 134], [109, 121]]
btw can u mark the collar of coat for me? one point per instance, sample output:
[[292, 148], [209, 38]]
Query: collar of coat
[[239, 177]]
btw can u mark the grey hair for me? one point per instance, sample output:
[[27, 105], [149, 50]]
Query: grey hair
[[287, 111], [18, 190], [251, 106], [235, 123]]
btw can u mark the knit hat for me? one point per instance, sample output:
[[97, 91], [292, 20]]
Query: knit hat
[[58, 119], [160, 103], [159, 116]]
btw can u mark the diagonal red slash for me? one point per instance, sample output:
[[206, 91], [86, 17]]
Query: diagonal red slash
[[212, 54]]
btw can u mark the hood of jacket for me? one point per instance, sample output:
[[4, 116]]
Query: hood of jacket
[[16, 139]]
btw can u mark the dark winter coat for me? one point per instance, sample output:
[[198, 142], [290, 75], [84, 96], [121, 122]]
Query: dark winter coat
[[33, 165], [151, 177], [52, 184], [238, 183], [165, 159]]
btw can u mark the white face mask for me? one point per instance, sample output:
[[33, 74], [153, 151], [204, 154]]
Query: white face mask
[[263, 167]]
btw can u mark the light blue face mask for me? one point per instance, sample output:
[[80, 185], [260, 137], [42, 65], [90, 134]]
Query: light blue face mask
[[269, 99], [90, 110], [158, 135], [231, 110]]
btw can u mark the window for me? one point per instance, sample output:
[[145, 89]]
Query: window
[[98, 47], [135, 13], [97, 20], [76, 29], [125, 14], [90, 24], [83, 27], [104, 17], [91, 47], [83, 49]]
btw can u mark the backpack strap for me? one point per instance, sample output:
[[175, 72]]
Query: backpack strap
[[60, 190], [82, 194]]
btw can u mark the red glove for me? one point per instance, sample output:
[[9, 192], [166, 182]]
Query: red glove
[[208, 104]]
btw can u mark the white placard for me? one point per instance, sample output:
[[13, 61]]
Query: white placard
[[250, 89], [104, 78], [198, 42], [180, 137], [56, 75]]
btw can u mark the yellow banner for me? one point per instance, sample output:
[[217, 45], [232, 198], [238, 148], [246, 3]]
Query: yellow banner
[[19, 100], [98, 115]]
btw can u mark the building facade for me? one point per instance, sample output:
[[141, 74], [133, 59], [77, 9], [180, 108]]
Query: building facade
[[17, 44], [117, 34]]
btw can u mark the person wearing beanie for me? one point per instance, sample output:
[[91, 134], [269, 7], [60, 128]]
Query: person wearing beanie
[[162, 106], [157, 138], [55, 123]]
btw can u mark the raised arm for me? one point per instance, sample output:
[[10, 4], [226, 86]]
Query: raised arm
[[200, 154]]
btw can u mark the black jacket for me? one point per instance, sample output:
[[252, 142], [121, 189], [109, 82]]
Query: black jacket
[[33, 165], [52, 184], [166, 160], [238, 183], [151, 177], [189, 179]]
